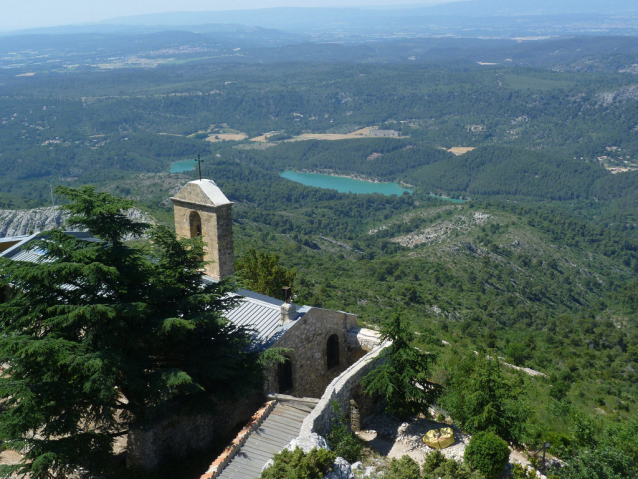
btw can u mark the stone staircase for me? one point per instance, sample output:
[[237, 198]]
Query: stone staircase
[[281, 426]]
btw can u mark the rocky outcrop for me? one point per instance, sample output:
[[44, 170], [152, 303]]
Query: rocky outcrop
[[308, 442], [25, 222], [341, 470], [621, 95]]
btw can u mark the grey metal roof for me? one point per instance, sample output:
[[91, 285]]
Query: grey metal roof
[[32, 256], [16, 248], [19, 252], [257, 312], [9, 239], [261, 314]]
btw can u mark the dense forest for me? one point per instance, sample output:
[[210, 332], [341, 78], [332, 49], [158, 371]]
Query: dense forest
[[538, 265]]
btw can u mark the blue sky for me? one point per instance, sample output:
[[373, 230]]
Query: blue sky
[[18, 14]]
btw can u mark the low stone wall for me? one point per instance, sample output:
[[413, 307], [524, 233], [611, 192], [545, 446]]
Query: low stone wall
[[182, 434], [342, 389]]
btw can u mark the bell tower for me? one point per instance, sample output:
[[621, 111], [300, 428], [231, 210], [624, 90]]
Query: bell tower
[[201, 209]]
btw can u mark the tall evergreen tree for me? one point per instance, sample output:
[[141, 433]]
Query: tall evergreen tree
[[402, 372], [99, 336], [479, 398], [263, 273]]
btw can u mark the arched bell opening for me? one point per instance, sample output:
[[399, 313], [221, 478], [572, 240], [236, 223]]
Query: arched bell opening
[[195, 224]]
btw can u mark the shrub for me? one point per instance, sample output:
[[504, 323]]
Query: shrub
[[519, 472], [299, 465], [487, 453], [437, 466], [341, 440], [404, 468], [433, 461]]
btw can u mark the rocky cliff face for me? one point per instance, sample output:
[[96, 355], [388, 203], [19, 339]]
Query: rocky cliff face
[[24, 222]]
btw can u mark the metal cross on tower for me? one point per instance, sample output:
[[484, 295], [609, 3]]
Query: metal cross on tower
[[199, 164]]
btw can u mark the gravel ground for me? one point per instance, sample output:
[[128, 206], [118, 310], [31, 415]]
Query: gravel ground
[[410, 434], [393, 438]]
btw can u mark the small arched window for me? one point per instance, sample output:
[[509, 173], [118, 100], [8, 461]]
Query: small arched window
[[195, 224], [284, 375], [332, 352]]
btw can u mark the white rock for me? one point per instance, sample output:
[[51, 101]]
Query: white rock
[[342, 470], [369, 471], [357, 466], [308, 443], [267, 465]]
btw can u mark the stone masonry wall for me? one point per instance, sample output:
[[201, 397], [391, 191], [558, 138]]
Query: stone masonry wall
[[181, 434], [341, 390], [308, 340]]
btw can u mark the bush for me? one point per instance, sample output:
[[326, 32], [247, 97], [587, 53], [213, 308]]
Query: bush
[[341, 440], [299, 465], [437, 466], [487, 453], [404, 468], [519, 472]]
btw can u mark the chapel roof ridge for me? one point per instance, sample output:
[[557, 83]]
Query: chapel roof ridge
[[208, 191]]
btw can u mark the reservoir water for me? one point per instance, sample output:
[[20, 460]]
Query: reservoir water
[[344, 185], [183, 166]]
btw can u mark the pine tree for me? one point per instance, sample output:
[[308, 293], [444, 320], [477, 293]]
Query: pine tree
[[100, 336], [479, 398], [402, 373], [261, 272]]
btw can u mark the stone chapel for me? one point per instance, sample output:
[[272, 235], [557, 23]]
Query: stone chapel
[[323, 343], [324, 346]]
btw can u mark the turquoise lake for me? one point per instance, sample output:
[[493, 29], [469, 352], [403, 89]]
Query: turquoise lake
[[344, 185], [183, 166]]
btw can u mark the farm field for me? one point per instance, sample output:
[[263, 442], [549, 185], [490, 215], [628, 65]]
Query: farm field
[[226, 137], [461, 150], [362, 133], [264, 138]]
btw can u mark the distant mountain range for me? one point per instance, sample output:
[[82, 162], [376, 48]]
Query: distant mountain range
[[476, 17], [282, 17]]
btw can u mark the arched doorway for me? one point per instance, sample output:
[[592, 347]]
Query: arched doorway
[[284, 375], [332, 352], [195, 224]]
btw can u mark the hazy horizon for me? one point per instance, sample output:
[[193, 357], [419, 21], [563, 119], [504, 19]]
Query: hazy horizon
[[42, 13]]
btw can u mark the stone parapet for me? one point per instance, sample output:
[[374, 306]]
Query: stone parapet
[[342, 389], [366, 339]]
